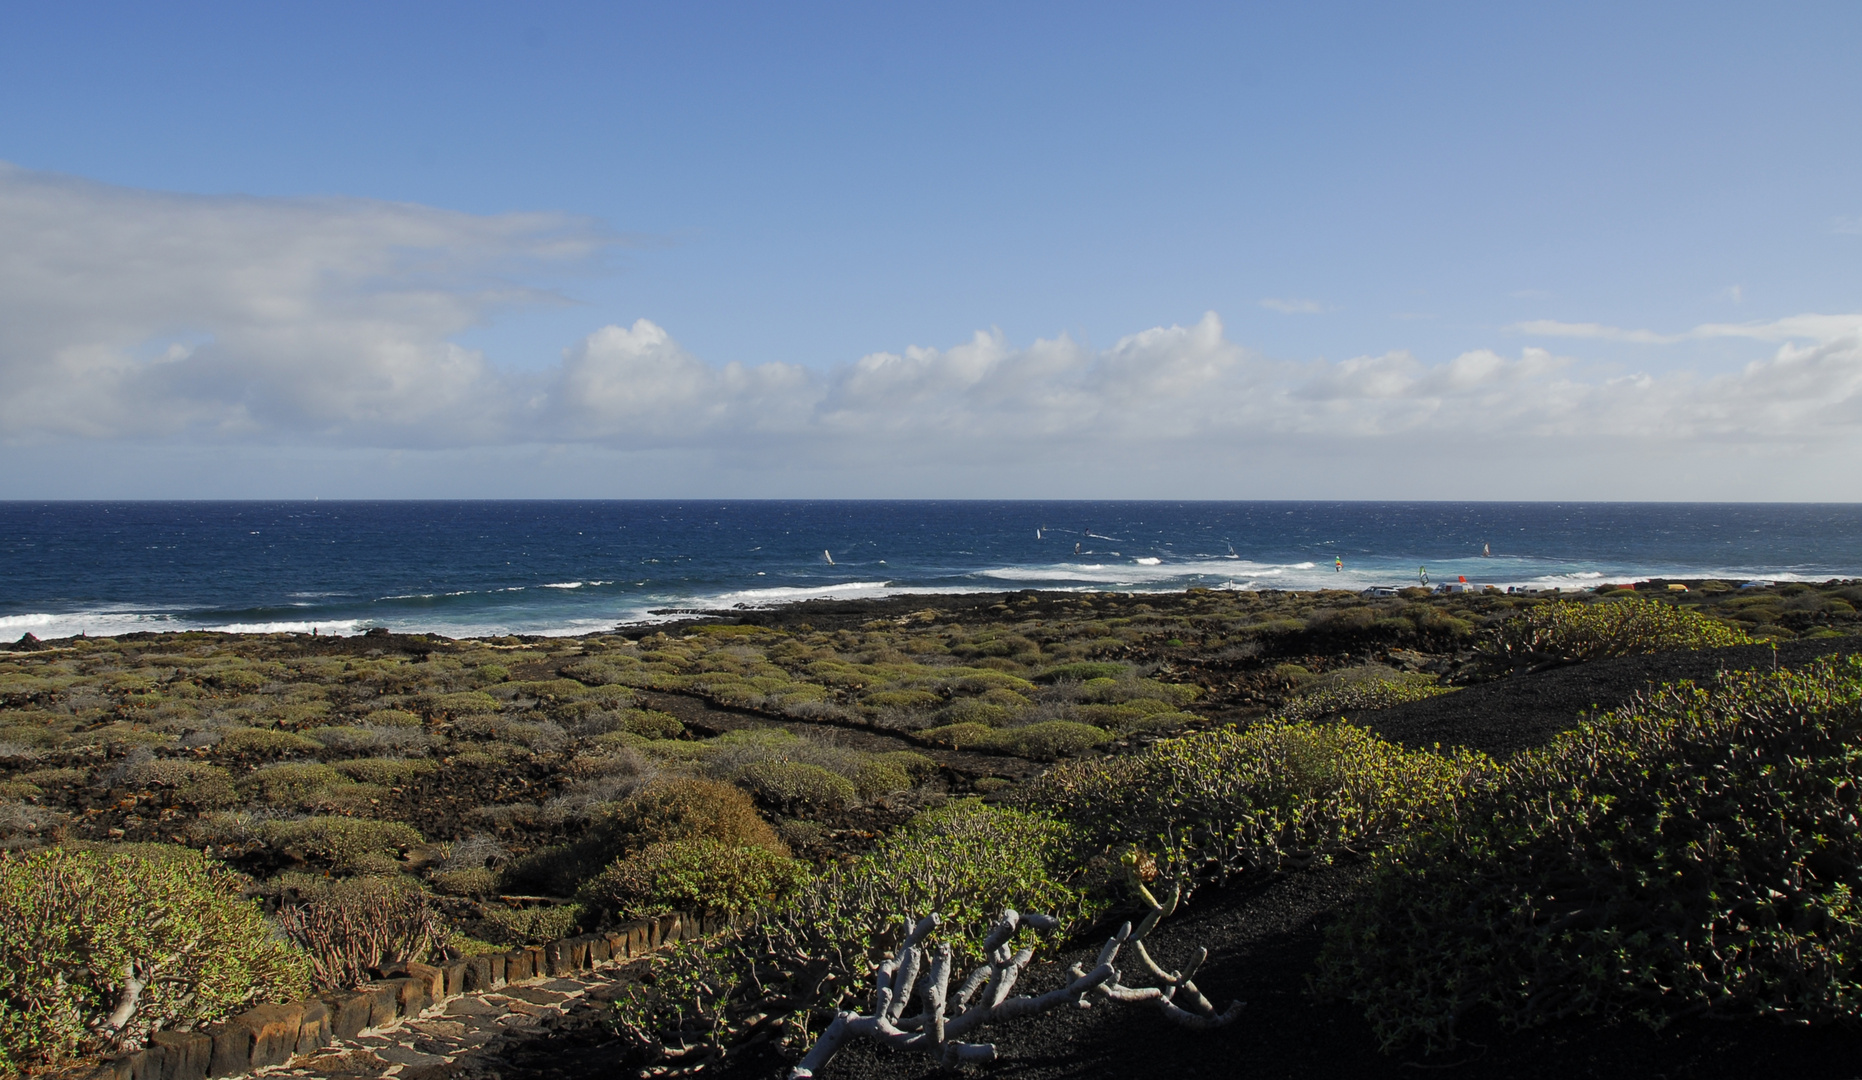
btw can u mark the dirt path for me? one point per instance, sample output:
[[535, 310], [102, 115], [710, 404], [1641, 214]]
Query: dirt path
[[476, 1034]]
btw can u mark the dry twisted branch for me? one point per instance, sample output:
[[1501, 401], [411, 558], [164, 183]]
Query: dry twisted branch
[[936, 1033]]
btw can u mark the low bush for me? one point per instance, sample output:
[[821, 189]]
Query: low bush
[[346, 845], [32, 737], [195, 783], [1272, 795], [469, 703], [875, 778], [796, 785], [77, 926], [478, 881], [976, 711], [1047, 740], [289, 784], [651, 723], [1570, 630], [1694, 852], [534, 925], [351, 925], [694, 874], [901, 699], [668, 808]]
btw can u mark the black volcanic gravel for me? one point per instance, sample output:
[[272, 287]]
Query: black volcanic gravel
[[1264, 936], [1523, 711]]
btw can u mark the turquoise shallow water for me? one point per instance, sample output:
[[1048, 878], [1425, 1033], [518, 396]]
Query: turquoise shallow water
[[471, 568]]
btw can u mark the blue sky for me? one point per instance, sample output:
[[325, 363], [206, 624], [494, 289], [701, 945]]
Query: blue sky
[[1449, 250]]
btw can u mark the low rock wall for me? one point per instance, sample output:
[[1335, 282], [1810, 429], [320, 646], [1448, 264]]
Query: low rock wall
[[272, 1035]]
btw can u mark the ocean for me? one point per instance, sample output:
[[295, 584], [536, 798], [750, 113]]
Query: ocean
[[464, 569]]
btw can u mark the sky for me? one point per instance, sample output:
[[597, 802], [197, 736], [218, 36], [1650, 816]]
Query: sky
[[1441, 251]]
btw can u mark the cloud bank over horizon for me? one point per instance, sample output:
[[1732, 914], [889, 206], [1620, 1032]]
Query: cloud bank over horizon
[[187, 323]]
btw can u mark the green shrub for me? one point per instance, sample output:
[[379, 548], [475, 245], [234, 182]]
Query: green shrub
[[535, 925], [1272, 795], [290, 783], [265, 742], [1693, 852], [975, 711], [670, 808], [237, 680], [474, 881], [1570, 630], [693, 874], [196, 784], [469, 703], [872, 779], [796, 785], [38, 738], [1047, 740], [74, 923], [1135, 716], [298, 713], [651, 723], [347, 845]]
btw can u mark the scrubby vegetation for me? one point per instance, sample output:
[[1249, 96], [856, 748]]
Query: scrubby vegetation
[[813, 949], [1273, 795], [1693, 853], [1620, 626], [812, 771], [102, 945]]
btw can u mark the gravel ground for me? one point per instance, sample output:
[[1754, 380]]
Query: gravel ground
[[1264, 936]]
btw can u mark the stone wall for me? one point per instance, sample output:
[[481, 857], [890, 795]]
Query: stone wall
[[274, 1034]]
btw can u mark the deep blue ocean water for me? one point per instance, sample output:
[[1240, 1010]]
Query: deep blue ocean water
[[475, 568]]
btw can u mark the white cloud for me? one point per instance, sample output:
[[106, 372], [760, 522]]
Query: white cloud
[[1595, 331], [1293, 306], [130, 318], [136, 313], [1793, 328]]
